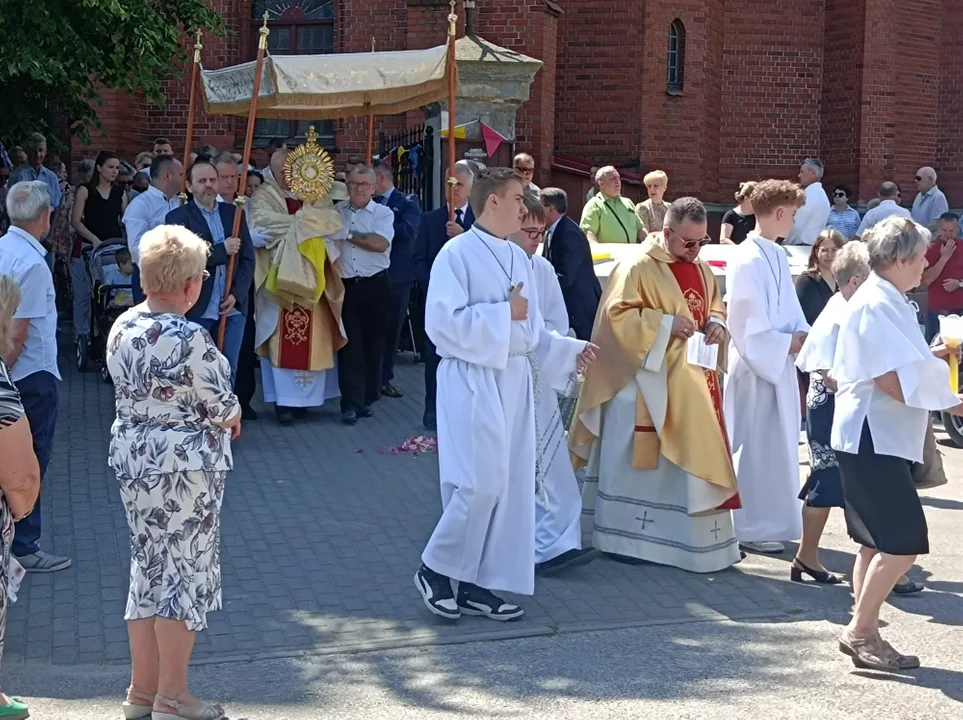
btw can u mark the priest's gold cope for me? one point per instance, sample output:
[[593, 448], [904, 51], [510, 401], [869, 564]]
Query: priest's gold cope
[[309, 170]]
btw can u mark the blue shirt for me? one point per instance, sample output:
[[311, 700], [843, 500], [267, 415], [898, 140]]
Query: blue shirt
[[846, 222], [928, 206], [26, 173], [144, 213], [22, 258], [214, 224]]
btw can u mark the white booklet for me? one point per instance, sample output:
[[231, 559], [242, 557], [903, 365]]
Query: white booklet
[[698, 353]]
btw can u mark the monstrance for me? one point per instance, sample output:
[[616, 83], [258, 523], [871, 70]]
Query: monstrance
[[309, 170]]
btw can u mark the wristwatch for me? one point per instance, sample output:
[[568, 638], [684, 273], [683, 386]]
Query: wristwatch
[[959, 284]]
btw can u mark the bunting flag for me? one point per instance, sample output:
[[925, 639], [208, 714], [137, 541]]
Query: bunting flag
[[493, 139], [460, 130]]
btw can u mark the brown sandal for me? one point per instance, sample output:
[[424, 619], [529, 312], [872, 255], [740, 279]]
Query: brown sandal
[[903, 662], [868, 653], [137, 710]]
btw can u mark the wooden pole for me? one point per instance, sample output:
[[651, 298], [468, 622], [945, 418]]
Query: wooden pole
[[452, 31], [246, 160], [191, 109], [369, 147]]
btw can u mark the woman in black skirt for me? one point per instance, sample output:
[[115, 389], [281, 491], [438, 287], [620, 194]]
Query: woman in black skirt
[[823, 489], [888, 381]]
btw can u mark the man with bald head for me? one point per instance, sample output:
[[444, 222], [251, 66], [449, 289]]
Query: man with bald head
[[525, 166], [888, 194], [930, 202]]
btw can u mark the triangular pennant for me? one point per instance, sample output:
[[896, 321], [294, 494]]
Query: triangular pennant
[[493, 139]]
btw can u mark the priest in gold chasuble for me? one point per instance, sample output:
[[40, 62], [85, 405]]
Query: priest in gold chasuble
[[298, 290], [649, 427]]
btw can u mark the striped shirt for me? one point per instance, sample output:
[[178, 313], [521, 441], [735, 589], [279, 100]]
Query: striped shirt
[[11, 408]]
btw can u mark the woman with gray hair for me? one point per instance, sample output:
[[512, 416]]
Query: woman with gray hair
[[888, 379], [823, 489], [171, 450], [19, 471]]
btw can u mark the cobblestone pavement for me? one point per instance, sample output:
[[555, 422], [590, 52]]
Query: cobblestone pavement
[[321, 535]]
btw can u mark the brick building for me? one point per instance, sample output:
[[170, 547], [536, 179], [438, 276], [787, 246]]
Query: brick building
[[712, 91]]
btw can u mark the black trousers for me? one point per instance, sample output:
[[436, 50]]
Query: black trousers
[[245, 380], [366, 313], [431, 374], [400, 292]]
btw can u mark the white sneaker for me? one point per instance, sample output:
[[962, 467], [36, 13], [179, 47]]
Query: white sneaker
[[770, 547]]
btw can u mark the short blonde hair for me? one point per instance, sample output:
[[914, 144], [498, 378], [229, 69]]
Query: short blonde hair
[[769, 195], [655, 176], [9, 302], [170, 256], [745, 190]]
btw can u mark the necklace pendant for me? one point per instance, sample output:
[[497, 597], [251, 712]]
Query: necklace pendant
[[511, 287]]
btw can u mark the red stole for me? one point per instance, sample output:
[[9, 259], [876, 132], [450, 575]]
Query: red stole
[[693, 289], [294, 345]]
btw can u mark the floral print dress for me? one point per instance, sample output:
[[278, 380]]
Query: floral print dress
[[171, 459]]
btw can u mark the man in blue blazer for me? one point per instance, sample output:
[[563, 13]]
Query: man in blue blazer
[[401, 272], [567, 248], [435, 231], [213, 221]]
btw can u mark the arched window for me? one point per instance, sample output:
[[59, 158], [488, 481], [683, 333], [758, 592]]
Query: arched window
[[298, 27], [675, 57]]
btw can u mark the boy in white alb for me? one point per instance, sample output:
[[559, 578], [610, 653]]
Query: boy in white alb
[[494, 350], [768, 329], [558, 513]]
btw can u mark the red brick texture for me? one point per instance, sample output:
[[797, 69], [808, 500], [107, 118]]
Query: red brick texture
[[862, 83]]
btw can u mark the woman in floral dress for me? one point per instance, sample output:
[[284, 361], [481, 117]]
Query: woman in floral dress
[[824, 489], [171, 450]]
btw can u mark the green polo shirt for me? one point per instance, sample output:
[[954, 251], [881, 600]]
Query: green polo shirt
[[612, 220]]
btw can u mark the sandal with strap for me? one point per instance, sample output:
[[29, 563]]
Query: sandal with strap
[[822, 577], [207, 712], [137, 710], [903, 662], [867, 653]]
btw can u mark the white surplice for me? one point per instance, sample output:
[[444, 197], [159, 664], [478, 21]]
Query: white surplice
[[557, 522], [486, 410], [762, 392]]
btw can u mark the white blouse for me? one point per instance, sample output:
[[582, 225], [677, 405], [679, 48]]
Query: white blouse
[[879, 334]]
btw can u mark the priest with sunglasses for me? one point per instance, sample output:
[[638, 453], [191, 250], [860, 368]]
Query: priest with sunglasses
[[649, 427]]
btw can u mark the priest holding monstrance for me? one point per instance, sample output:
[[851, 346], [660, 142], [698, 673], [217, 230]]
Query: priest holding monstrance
[[298, 292]]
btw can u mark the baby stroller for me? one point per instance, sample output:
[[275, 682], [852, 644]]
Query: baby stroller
[[111, 295]]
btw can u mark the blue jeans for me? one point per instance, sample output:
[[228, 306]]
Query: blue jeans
[[40, 395], [233, 336]]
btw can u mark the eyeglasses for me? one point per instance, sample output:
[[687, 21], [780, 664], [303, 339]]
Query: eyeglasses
[[360, 184], [689, 244], [534, 233]]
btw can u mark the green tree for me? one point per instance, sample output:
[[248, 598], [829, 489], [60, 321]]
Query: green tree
[[57, 55]]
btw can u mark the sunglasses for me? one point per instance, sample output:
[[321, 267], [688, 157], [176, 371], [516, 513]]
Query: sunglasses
[[525, 170], [689, 244], [839, 194]]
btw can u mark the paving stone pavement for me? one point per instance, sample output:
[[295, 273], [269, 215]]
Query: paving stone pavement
[[321, 534]]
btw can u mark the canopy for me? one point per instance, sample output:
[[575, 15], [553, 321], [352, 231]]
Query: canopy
[[323, 87]]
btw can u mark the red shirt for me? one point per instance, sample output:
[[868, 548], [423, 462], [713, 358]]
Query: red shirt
[[939, 299]]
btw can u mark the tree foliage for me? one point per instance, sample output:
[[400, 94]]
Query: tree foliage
[[57, 55]]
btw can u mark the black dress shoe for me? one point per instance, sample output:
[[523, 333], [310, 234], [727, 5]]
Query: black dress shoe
[[625, 559], [430, 421], [365, 411], [391, 391], [300, 413], [349, 417], [247, 413], [285, 416], [568, 559]]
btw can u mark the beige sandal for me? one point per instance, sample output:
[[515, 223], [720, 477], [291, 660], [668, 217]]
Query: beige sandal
[[138, 710], [903, 662], [208, 712], [866, 652]]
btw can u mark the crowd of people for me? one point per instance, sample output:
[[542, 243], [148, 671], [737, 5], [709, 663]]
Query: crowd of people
[[688, 402]]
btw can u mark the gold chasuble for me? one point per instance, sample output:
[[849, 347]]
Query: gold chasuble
[[636, 298], [295, 270]]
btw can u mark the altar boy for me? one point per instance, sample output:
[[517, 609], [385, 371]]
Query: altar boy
[[482, 314]]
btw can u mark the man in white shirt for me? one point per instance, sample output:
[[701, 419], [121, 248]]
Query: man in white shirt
[[32, 360], [525, 166], [930, 202], [888, 193], [227, 177], [148, 210], [363, 266], [812, 217]]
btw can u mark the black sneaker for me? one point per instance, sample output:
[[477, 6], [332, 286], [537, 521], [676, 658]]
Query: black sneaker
[[568, 559], [285, 416], [430, 420], [473, 600], [436, 591], [349, 417], [365, 411]]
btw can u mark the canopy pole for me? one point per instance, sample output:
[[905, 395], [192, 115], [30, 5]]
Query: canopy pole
[[245, 162], [369, 146], [191, 109], [452, 31]]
